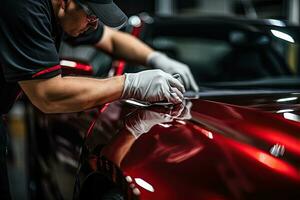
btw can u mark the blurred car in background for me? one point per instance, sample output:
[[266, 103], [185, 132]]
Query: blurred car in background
[[242, 141], [226, 49]]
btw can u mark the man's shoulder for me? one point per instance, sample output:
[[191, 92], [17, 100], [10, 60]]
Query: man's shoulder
[[26, 11], [31, 16], [27, 40], [18, 7]]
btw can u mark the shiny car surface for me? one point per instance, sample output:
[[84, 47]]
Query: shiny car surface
[[241, 141], [224, 151]]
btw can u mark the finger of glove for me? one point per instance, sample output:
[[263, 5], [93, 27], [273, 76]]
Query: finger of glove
[[193, 83], [176, 83], [177, 92], [173, 97], [177, 110], [180, 79], [163, 92], [186, 80]]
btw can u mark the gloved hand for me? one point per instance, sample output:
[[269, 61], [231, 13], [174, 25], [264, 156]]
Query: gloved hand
[[153, 86], [143, 120], [161, 61]]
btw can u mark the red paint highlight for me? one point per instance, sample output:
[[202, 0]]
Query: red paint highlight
[[274, 163], [89, 132]]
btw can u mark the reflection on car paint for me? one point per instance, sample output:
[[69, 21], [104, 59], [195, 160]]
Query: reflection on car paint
[[277, 150]]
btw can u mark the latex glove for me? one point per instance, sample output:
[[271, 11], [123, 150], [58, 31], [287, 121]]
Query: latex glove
[[171, 66], [153, 86], [143, 120]]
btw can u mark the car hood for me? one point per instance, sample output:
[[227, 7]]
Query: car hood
[[233, 147]]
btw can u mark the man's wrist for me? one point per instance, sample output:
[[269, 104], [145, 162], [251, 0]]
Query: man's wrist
[[152, 59], [121, 82]]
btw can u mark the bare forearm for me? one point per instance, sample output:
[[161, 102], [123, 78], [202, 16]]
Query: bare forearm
[[125, 46], [72, 94]]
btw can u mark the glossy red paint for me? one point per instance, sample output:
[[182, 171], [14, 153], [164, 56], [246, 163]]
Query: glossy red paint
[[266, 159], [221, 153], [252, 123]]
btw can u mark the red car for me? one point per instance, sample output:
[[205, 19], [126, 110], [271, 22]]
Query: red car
[[242, 140], [225, 151]]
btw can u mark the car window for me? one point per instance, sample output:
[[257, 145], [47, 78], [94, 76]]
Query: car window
[[289, 52], [217, 60], [202, 55]]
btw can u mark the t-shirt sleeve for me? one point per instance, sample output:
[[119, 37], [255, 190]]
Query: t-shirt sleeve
[[26, 41], [90, 37]]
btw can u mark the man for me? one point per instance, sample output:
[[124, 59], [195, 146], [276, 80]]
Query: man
[[30, 34]]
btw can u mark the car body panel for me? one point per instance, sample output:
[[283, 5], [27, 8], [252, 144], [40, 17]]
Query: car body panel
[[223, 152]]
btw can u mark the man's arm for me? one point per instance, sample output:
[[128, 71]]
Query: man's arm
[[72, 94], [129, 48], [123, 45]]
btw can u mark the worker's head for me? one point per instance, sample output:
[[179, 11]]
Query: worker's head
[[77, 16]]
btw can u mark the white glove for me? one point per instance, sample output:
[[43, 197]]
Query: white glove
[[171, 66], [143, 120], [153, 86]]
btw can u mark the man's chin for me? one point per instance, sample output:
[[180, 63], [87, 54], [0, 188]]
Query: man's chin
[[73, 33]]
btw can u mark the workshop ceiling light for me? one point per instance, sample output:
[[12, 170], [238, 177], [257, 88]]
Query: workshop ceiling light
[[283, 36]]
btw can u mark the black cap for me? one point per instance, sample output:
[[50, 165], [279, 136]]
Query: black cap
[[107, 11]]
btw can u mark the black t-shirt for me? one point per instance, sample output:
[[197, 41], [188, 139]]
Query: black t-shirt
[[29, 41]]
